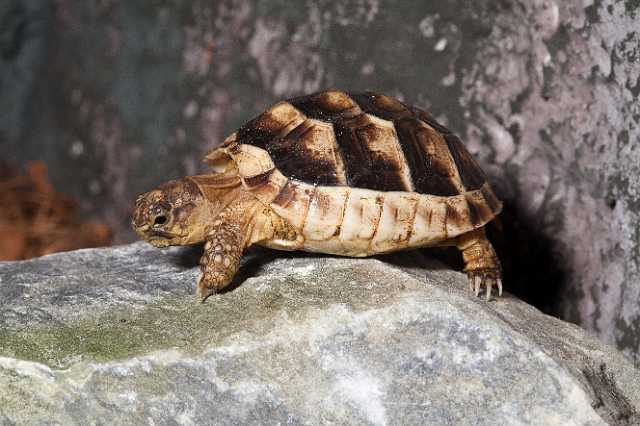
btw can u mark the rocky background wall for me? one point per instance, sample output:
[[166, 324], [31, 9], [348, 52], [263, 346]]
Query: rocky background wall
[[118, 96]]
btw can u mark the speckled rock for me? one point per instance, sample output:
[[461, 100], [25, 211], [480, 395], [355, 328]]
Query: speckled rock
[[112, 336]]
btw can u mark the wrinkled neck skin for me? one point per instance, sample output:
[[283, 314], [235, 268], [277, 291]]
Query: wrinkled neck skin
[[214, 200]]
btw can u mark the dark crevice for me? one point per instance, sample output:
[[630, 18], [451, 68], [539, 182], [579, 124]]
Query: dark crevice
[[608, 400], [532, 269]]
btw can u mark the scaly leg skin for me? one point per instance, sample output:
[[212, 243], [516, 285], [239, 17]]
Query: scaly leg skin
[[225, 243], [481, 262]]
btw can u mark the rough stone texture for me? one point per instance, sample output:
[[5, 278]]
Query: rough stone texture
[[112, 336], [118, 96]]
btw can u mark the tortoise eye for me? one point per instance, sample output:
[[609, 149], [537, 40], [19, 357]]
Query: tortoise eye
[[160, 220]]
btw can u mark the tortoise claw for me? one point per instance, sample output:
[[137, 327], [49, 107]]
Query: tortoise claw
[[203, 292], [487, 280], [477, 283]]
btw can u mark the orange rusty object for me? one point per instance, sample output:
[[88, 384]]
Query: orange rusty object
[[36, 220]]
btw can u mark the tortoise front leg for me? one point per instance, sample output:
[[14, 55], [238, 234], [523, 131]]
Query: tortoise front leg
[[481, 262], [224, 246]]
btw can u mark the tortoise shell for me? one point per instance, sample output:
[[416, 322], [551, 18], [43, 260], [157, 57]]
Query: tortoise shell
[[365, 141]]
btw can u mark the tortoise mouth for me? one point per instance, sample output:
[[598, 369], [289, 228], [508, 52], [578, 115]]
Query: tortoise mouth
[[163, 239], [157, 237], [152, 234], [158, 233]]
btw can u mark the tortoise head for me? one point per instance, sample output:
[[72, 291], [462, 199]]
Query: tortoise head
[[173, 214]]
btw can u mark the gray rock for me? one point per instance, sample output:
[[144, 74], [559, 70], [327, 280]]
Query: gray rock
[[545, 94], [114, 336]]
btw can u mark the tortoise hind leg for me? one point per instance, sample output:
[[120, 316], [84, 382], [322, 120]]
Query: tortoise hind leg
[[481, 262]]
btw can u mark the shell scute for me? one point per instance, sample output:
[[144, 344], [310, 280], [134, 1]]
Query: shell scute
[[332, 106], [361, 216], [428, 118], [309, 152], [325, 215], [270, 125], [382, 106], [470, 173], [372, 154], [427, 154], [396, 221], [293, 202]]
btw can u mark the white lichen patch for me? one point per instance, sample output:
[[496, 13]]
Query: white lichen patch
[[364, 390], [128, 397], [29, 369], [449, 79], [427, 25], [368, 68], [190, 109], [440, 45], [548, 18], [501, 140], [306, 270]]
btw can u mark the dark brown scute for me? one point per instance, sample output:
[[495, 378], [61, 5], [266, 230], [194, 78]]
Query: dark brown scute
[[327, 106], [381, 106], [428, 118], [431, 175], [472, 176], [366, 167], [258, 180], [293, 156], [260, 131]]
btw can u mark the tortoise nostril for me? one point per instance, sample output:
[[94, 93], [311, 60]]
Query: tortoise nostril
[[160, 220]]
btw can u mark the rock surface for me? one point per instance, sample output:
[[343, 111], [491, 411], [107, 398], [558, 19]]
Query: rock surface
[[114, 336], [545, 93]]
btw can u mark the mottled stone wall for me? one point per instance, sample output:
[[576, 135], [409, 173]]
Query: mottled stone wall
[[25, 27], [118, 96]]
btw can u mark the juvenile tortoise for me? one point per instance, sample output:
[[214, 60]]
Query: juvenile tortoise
[[351, 174]]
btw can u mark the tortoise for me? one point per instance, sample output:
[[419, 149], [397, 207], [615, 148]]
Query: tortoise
[[351, 174]]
